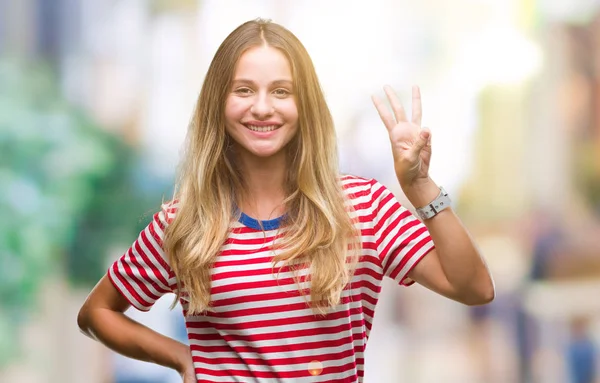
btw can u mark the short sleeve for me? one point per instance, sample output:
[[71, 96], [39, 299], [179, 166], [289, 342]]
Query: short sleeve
[[142, 275], [402, 240]]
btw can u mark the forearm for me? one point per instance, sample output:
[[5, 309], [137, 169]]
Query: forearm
[[460, 260], [134, 340]]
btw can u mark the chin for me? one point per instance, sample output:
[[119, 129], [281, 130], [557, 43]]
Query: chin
[[265, 153], [262, 149]]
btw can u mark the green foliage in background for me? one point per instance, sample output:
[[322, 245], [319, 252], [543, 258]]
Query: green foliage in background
[[66, 193]]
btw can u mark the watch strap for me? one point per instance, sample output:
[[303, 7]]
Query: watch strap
[[441, 202]]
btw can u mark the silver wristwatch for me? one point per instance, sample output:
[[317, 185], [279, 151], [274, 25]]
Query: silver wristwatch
[[429, 211]]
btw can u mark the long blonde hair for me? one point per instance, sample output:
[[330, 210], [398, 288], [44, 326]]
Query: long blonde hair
[[319, 230]]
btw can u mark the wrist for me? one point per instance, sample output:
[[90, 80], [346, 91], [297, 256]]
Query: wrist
[[441, 202], [422, 192]]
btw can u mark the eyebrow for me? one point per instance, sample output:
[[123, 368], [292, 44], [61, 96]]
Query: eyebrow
[[242, 81]]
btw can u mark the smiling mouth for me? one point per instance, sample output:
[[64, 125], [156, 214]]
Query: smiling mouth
[[262, 128]]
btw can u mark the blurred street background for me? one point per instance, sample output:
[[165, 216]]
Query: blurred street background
[[95, 97]]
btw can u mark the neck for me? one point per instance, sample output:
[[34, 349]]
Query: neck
[[264, 185]]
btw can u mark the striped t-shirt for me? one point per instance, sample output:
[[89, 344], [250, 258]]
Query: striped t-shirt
[[259, 327]]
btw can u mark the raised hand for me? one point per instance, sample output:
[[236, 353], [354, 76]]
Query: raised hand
[[411, 144]]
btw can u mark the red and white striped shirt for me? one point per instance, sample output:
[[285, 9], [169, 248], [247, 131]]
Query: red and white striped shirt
[[259, 327]]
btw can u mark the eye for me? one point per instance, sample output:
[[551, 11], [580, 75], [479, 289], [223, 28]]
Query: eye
[[243, 91], [281, 92]]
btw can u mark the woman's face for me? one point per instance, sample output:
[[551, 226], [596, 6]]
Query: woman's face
[[260, 111]]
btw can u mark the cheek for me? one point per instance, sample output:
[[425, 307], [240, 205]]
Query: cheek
[[290, 110], [234, 109]]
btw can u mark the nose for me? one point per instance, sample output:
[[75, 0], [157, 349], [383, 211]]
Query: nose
[[262, 107]]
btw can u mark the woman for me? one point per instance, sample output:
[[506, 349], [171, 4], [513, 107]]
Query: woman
[[261, 214]]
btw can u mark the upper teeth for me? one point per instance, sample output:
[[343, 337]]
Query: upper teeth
[[262, 128]]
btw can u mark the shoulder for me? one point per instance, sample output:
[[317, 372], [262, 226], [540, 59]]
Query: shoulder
[[359, 191], [367, 193], [355, 186], [350, 182], [168, 211]]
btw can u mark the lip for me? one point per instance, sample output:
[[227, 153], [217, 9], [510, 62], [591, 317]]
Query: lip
[[263, 123], [263, 134]]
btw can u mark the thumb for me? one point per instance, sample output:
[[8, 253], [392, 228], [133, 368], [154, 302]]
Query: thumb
[[422, 140]]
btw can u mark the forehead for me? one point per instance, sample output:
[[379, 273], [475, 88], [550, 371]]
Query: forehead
[[263, 62]]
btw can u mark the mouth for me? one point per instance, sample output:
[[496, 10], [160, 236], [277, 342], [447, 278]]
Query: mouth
[[262, 129]]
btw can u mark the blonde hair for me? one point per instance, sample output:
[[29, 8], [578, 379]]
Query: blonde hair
[[318, 229]]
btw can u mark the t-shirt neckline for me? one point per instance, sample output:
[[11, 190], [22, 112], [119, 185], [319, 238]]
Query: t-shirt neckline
[[253, 223]]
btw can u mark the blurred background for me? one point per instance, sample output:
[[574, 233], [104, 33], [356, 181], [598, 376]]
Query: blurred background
[[95, 97]]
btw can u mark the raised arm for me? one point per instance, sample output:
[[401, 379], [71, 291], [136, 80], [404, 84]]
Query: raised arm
[[454, 268]]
